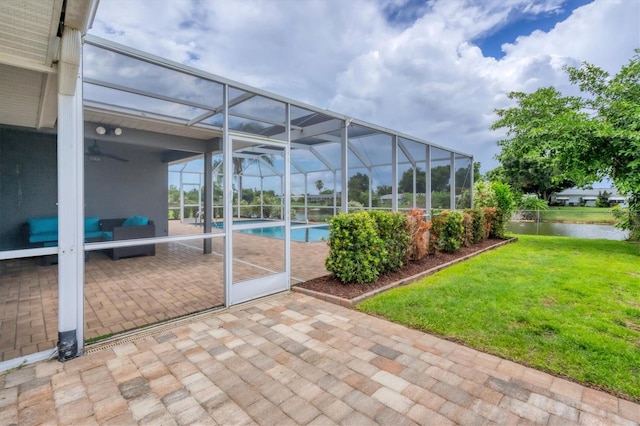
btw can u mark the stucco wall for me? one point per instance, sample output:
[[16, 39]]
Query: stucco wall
[[115, 189], [28, 183]]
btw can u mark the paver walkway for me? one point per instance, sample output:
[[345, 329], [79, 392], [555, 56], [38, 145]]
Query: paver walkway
[[293, 359]]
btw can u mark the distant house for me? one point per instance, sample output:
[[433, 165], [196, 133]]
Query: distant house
[[322, 198], [586, 197]]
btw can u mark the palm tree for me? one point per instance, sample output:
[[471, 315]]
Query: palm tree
[[319, 185]]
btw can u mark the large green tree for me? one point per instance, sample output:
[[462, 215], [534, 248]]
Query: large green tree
[[359, 188], [477, 176], [440, 177], [583, 139], [405, 185], [529, 159]]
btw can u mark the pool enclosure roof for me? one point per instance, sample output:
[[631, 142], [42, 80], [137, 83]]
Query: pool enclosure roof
[[127, 88]]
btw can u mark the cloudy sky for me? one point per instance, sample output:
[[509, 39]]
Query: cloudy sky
[[432, 69]]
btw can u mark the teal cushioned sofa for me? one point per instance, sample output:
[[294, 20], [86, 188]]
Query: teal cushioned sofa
[[43, 232]]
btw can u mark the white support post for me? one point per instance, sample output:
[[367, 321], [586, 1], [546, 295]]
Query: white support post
[[287, 196], [227, 197], [427, 188], [370, 188], [345, 166], [181, 196], [472, 183], [261, 197], [414, 189], [335, 193], [207, 217], [452, 182], [70, 199], [394, 174], [306, 198]]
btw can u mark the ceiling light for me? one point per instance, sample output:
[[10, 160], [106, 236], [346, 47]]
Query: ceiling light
[[103, 130]]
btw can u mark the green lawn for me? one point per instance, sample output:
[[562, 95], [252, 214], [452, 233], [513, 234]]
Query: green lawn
[[578, 215], [568, 306]]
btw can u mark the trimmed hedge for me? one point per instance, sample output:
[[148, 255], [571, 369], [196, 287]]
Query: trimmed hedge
[[356, 250], [363, 245], [477, 225], [392, 230], [449, 230], [366, 244]]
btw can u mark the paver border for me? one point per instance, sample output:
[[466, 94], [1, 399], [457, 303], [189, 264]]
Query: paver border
[[350, 303]]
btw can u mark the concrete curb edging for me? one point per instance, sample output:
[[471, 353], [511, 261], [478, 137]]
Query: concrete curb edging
[[350, 303]]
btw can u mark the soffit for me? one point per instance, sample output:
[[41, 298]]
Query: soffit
[[29, 49]]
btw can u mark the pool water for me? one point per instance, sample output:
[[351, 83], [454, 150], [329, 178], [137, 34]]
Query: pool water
[[308, 235]]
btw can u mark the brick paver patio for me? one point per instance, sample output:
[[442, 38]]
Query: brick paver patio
[[293, 359], [128, 293]]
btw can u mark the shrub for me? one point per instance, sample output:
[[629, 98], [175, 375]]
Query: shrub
[[489, 215], [532, 202], [355, 205], [417, 229], [392, 230], [499, 196], [505, 206], [467, 224], [483, 194], [477, 225], [356, 249], [530, 206], [433, 234], [449, 231]]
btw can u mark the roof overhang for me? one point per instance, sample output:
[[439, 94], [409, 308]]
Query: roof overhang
[[30, 34]]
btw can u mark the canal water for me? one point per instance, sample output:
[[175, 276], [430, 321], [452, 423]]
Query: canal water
[[578, 230]]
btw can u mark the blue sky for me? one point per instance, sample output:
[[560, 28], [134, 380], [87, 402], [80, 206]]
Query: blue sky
[[436, 70], [523, 23]]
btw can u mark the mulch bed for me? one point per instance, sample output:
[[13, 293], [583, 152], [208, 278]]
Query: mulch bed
[[332, 286]]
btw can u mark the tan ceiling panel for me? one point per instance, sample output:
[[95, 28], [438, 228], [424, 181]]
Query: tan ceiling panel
[[28, 27], [20, 91]]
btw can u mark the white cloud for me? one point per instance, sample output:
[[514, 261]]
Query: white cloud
[[424, 77], [431, 82]]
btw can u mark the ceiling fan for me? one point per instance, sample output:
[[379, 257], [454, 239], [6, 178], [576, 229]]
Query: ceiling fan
[[95, 154]]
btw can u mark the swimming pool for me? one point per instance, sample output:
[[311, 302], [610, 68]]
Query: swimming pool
[[308, 235]]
